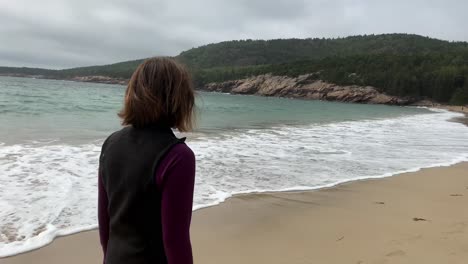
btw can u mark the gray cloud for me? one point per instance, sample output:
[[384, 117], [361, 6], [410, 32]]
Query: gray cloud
[[70, 33]]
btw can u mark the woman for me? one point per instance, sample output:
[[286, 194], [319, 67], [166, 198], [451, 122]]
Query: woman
[[146, 174]]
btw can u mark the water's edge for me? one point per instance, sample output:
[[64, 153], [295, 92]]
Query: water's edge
[[45, 238], [240, 194]]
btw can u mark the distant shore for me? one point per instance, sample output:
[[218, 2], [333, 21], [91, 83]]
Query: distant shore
[[458, 109], [417, 217], [90, 79], [453, 108], [319, 90]]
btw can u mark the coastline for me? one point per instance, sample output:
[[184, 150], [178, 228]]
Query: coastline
[[408, 217], [336, 97], [459, 119], [457, 109]]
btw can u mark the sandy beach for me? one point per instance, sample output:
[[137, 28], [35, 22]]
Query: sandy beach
[[458, 109], [455, 108], [416, 217]]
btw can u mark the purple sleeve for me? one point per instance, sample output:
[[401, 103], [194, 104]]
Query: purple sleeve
[[103, 216], [175, 178]]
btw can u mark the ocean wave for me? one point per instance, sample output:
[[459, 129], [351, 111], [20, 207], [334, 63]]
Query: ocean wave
[[49, 188]]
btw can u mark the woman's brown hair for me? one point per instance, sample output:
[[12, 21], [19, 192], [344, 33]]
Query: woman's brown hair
[[159, 92]]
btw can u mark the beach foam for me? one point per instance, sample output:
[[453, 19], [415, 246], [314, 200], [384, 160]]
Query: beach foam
[[50, 188]]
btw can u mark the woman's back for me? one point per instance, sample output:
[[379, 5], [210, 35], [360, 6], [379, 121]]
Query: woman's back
[[137, 204], [127, 168]]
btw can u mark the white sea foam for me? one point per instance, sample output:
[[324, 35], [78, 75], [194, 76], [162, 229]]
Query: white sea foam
[[49, 188]]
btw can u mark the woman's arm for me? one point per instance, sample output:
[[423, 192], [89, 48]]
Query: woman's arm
[[175, 178], [103, 216]]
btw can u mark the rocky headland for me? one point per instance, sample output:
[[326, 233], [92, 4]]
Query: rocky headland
[[306, 86]]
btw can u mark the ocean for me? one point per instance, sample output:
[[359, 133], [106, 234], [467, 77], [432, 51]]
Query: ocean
[[51, 134]]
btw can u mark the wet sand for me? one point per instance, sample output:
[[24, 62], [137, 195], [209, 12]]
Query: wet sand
[[458, 109], [419, 217]]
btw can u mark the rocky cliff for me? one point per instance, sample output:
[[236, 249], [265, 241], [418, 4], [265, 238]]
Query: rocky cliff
[[307, 87]]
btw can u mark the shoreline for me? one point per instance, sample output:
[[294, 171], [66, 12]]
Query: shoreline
[[245, 203], [123, 82], [461, 119], [261, 192], [331, 185], [240, 195], [457, 109]]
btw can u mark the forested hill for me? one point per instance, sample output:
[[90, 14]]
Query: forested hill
[[255, 52], [397, 64]]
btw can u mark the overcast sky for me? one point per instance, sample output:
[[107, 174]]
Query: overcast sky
[[70, 33]]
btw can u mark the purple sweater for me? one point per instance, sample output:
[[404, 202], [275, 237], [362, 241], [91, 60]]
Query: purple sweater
[[175, 179]]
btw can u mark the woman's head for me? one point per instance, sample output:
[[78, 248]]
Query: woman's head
[[159, 92]]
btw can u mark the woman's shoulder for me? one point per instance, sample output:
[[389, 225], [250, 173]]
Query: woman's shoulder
[[181, 151], [113, 136], [180, 157]]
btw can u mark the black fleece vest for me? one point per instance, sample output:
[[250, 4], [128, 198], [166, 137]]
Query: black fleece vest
[[127, 165]]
